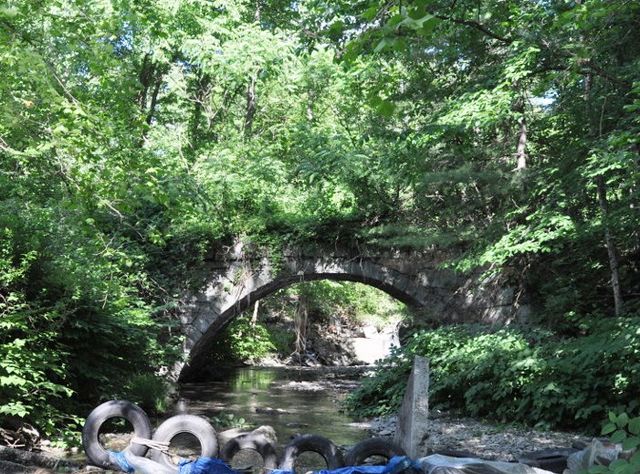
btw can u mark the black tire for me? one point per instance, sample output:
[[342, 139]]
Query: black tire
[[256, 442], [194, 425], [314, 443], [99, 456], [372, 447], [553, 460]]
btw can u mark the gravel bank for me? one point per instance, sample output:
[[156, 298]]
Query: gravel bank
[[483, 439]]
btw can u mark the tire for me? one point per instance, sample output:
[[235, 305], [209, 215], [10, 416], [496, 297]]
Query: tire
[[314, 443], [372, 447], [553, 460], [256, 442], [99, 456], [194, 425]]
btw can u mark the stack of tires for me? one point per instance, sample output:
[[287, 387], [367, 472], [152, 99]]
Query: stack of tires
[[160, 462]]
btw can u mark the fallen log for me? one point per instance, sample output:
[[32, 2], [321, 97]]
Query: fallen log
[[7, 467], [28, 458]]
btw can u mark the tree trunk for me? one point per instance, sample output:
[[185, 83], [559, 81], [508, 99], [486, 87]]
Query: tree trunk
[[601, 190], [251, 105], [301, 325], [634, 195], [254, 316], [27, 458], [258, 12], [521, 149], [200, 96], [145, 77], [154, 100], [614, 264]]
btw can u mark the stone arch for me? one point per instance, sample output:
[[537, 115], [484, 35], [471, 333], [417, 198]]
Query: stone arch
[[255, 286], [236, 279]]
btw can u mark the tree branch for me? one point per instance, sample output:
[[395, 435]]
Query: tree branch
[[473, 24], [62, 89], [602, 73], [4, 146], [154, 100]]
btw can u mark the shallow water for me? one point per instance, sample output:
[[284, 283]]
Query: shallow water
[[291, 400]]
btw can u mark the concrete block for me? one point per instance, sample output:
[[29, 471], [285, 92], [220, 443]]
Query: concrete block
[[414, 412]]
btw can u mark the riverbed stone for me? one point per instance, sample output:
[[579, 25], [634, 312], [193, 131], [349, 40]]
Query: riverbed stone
[[266, 431], [414, 412], [225, 436]]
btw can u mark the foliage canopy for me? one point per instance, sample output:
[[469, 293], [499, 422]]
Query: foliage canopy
[[137, 136]]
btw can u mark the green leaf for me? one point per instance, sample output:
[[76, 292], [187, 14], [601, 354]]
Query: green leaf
[[622, 420], [352, 50], [634, 425], [618, 436], [14, 409], [336, 28], [370, 13], [620, 466], [399, 44], [386, 108], [428, 27], [598, 470], [8, 12], [394, 21], [608, 428], [631, 443], [12, 380], [416, 13], [384, 42]]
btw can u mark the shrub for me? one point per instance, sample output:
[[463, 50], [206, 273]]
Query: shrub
[[243, 340], [148, 391], [32, 371], [228, 421], [283, 339], [521, 375], [624, 430]]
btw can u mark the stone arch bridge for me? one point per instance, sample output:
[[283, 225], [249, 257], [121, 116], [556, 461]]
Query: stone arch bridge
[[235, 279]]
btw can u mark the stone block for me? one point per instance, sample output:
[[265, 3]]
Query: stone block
[[414, 412]]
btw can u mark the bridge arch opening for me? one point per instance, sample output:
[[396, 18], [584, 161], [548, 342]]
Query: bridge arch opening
[[200, 355]]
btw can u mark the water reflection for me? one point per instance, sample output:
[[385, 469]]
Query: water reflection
[[250, 378], [291, 400]]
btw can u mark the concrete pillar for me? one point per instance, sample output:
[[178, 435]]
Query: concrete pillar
[[414, 412]]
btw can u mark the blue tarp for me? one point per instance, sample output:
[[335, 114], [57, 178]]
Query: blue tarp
[[205, 465], [395, 465], [119, 458]]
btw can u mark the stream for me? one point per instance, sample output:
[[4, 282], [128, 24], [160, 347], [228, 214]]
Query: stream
[[293, 400], [303, 400]]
